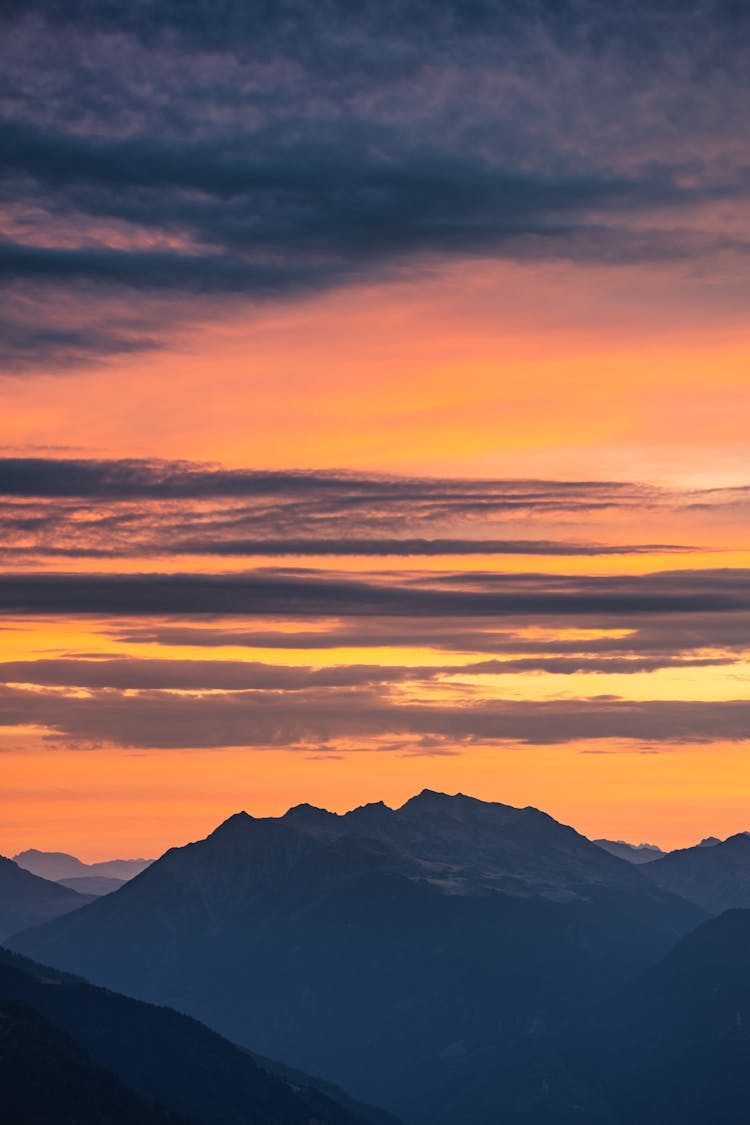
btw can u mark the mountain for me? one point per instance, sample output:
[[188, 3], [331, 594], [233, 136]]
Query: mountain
[[93, 884], [26, 900], [141, 1055], [633, 853], [676, 1045], [399, 953], [46, 1078], [673, 1046], [60, 866], [715, 877]]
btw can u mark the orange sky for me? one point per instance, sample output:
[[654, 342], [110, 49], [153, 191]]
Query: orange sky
[[449, 374], [474, 369], [346, 314]]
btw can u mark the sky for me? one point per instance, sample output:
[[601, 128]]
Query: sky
[[374, 409]]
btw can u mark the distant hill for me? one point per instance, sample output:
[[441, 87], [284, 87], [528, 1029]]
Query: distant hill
[[633, 853], [60, 1025], [93, 885], [715, 877], [59, 866], [26, 900], [399, 953]]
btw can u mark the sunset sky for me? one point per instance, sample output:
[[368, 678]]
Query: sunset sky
[[375, 413]]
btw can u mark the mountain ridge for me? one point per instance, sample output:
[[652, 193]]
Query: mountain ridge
[[715, 876], [58, 866], [27, 900]]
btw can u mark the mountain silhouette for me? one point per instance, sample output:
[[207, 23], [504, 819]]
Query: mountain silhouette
[[399, 953], [60, 866], [634, 853], [93, 885], [147, 1054], [675, 1046], [716, 876], [26, 900]]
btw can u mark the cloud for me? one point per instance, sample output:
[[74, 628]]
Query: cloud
[[304, 719], [313, 594], [246, 152], [135, 674], [75, 508], [136, 479]]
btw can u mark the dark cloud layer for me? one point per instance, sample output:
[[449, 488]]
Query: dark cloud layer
[[157, 719], [657, 638], [207, 153], [163, 480], [133, 674], [312, 594]]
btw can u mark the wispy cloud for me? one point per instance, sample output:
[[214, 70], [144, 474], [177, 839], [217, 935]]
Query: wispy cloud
[[67, 508]]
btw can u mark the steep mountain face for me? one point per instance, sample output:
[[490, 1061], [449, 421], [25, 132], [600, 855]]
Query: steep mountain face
[[634, 853], [46, 1078], [26, 900], [676, 1045], [59, 866], [716, 877], [139, 1055], [400, 953]]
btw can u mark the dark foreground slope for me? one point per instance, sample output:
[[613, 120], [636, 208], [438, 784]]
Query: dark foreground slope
[[46, 1078], [716, 877], [399, 953], [26, 899], [124, 1047]]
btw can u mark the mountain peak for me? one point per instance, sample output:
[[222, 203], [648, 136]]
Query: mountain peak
[[429, 798], [236, 822], [310, 818], [455, 804]]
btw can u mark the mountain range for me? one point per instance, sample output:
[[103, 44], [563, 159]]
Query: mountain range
[[26, 900], [715, 877], [400, 953], [635, 853], [61, 867], [451, 960]]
